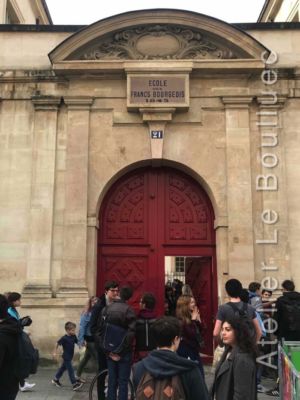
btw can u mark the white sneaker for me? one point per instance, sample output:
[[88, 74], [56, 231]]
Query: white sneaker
[[27, 386], [261, 389]]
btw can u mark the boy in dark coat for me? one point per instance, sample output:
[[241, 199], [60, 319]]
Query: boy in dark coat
[[164, 362]]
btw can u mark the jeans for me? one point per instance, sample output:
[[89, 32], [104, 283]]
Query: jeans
[[90, 352], [66, 366], [118, 376]]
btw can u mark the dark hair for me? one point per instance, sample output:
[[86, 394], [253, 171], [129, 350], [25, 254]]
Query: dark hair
[[288, 285], [3, 306], [164, 331], [244, 296], [254, 286], [243, 337], [69, 325], [149, 300], [267, 291], [110, 285], [12, 297], [126, 293], [233, 287]]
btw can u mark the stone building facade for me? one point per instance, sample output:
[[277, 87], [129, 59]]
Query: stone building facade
[[146, 135]]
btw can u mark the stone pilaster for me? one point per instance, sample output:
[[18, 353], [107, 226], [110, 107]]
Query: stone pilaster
[[73, 274], [239, 190], [272, 191], [38, 280]]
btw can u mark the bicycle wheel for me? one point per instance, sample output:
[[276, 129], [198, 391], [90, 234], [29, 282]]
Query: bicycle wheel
[[93, 392]]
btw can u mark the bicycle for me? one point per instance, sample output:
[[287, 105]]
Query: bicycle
[[93, 393]]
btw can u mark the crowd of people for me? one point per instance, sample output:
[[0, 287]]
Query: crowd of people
[[161, 354]]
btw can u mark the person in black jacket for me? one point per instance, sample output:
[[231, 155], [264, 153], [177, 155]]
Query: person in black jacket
[[288, 312], [235, 375], [120, 315], [165, 363], [10, 329], [111, 293]]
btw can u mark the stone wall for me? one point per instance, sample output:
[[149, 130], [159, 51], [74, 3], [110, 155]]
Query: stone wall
[[65, 140]]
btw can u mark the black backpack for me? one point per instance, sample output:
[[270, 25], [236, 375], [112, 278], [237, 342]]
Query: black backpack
[[242, 313], [110, 337], [28, 357], [291, 313], [144, 340]]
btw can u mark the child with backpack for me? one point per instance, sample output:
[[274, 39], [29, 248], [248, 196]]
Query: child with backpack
[[67, 342], [163, 374]]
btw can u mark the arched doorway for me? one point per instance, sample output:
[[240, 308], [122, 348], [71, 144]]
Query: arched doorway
[[156, 224]]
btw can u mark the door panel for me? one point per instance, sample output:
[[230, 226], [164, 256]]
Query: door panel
[[144, 216], [188, 216], [129, 270]]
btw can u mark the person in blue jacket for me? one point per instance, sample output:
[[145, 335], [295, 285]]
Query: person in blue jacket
[[85, 338]]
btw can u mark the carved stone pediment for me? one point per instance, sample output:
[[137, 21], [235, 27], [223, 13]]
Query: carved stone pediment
[[159, 41]]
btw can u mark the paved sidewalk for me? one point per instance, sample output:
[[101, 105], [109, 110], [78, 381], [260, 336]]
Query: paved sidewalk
[[44, 390]]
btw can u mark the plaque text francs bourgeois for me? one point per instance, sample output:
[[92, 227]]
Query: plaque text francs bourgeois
[[162, 89]]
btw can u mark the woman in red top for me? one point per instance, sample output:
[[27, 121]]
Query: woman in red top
[[191, 339]]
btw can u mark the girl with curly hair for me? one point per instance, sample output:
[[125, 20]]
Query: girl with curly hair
[[235, 376]]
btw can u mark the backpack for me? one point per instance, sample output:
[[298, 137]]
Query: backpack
[[144, 340], [28, 357], [242, 313], [111, 336], [169, 388], [291, 312]]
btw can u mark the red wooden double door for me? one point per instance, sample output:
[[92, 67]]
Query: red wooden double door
[[147, 215]]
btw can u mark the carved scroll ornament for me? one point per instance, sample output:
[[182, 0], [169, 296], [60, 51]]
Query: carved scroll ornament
[[158, 42]]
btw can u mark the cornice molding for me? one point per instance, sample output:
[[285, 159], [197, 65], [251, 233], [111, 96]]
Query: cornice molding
[[237, 101], [271, 102], [78, 102], [46, 103]]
